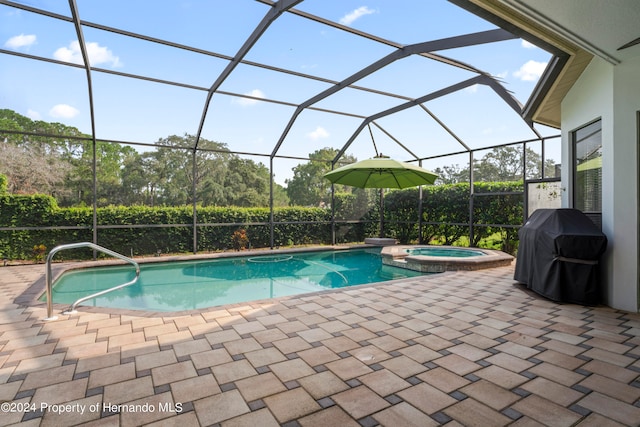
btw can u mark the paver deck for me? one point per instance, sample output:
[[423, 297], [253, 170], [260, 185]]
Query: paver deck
[[463, 348]]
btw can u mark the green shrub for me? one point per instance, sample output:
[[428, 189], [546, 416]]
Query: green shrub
[[4, 184], [143, 230], [445, 213]]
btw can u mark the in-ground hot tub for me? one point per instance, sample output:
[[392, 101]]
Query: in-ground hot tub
[[437, 259]]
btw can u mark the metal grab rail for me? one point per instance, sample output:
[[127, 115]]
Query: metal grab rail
[[48, 275]]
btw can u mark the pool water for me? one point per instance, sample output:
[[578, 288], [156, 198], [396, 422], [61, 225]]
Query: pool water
[[445, 252], [188, 285]]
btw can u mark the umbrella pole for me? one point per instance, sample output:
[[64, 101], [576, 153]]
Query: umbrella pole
[[420, 215], [381, 213]]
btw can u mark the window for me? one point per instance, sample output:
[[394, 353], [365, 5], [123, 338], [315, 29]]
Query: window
[[587, 149]]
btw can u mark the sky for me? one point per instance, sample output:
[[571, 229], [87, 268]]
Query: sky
[[140, 111]]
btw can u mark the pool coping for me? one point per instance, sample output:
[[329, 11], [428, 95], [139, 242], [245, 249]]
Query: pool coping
[[30, 296], [397, 256]]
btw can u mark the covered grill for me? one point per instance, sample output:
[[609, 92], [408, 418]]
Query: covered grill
[[558, 256]]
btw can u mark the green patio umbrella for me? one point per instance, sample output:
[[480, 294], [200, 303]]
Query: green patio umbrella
[[381, 172]]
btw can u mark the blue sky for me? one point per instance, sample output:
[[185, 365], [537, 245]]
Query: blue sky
[[141, 111]]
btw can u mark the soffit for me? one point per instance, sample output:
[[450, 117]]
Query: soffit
[[601, 28], [582, 29]]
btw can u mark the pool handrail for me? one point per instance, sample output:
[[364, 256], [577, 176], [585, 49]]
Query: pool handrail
[[49, 281]]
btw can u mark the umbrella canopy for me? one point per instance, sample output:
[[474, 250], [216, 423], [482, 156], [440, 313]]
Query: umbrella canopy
[[381, 172]]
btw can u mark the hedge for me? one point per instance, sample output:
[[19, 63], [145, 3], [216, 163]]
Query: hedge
[[309, 225], [446, 213], [446, 204]]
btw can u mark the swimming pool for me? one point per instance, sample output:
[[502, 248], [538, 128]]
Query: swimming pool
[[188, 285]]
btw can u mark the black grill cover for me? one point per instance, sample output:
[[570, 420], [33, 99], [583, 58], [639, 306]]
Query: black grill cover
[[558, 256]]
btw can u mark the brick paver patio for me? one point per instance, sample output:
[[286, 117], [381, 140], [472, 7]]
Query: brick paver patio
[[464, 348]]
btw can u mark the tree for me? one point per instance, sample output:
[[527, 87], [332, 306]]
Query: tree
[[28, 172], [222, 178], [500, 164], [62, 166], [309, 187], [452, 174], [110, 159], [247, 183], [280, 197], [57, 163], [32, 164], [134, 180], [170, 171], [3, 184]]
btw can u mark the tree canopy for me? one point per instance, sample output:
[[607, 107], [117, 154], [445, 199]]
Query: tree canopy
[[498, 165], [57, 160], [309, 187], [62, 166]]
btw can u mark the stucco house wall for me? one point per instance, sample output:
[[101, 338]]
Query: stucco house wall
[[611, 93]]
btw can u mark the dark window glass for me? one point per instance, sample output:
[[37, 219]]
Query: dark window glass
[[587, 149]]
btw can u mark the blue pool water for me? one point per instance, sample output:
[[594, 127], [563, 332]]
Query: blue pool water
[[445, 252], [176, 286]]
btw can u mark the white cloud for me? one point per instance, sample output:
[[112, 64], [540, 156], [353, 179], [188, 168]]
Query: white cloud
[[16, 42], [531, 71], [97, 54], [33, 115], [471, 89], [319, 133], [63, 111], [245, 102], [350, 17], [527, 45]]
